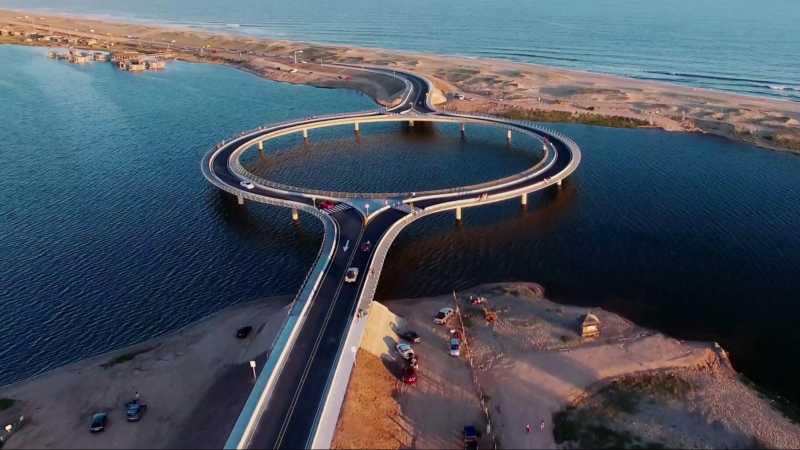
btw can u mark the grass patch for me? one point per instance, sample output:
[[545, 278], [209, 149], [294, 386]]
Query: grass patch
[[121, 359], [572, 425], [6, 403], [663, 386], [540, 115]]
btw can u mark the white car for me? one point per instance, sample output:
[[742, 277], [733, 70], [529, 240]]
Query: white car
[[455, 347], [442, 316], [405, 350], [351, 275], [247, 184]]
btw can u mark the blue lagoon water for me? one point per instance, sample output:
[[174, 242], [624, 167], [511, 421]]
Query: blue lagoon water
[[738, 45], [109, 234]]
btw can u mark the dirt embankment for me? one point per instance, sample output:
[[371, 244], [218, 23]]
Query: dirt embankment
[[486, 85], [532, 364]]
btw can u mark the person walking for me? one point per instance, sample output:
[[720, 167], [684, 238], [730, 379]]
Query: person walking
[[528, 428], [541, 426]]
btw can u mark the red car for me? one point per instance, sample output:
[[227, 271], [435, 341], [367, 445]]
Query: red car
[[409, 375], [326, 205]]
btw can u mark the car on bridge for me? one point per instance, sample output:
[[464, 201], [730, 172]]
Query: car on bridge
[[351, 275], [442, 316], [326, 205], [366, 246], [247, 184]]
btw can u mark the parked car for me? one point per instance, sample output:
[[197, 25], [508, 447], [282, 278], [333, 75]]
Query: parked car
[[134, 410], [471, 437], [409, 375], [243, 332], [455, 347], [247, 184], [351, 275], [442, 316], [410, 336], [366, 246], [405, 350], [98, 422]]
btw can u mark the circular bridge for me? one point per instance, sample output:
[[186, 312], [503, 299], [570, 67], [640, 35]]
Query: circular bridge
[[311, 359], [223, 166]]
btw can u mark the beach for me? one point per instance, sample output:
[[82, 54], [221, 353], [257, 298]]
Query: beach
[[194, 382], [545, 386], [519, 90]]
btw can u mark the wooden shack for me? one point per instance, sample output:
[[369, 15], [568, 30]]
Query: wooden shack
[[590, 326]]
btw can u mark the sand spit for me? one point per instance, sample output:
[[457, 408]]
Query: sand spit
[[194, 382], [468, 84], [531, 365]]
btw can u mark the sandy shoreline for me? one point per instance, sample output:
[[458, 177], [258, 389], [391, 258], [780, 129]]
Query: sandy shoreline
[[195, 378], [631, 385], [531, 364], [489, 85]]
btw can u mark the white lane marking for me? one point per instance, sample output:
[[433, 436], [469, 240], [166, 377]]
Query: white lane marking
[[313, 354]]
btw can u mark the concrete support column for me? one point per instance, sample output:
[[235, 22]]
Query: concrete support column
[[559, 183], [261, 145], [411, 123], [508, 135], [524, 199], [240, 199], [295, 215], [458, 214], [463, 129], [355, 127], [305, 133]]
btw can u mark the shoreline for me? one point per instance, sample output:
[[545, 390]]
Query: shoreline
[[178, 374], [181, 372], [530, 364], [230, 30], [465, 84]]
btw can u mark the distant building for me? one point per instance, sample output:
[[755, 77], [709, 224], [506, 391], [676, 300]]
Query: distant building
[[100, 56], [156, 65], [590, 326]]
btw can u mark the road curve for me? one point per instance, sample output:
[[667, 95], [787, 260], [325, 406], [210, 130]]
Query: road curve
[[286, 404]]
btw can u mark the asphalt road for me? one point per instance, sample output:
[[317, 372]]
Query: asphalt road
[[300, 389]]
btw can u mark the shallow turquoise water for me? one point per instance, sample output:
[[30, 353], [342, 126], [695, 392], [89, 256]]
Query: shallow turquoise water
[[737, 45]]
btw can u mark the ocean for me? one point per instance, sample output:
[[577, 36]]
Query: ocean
[[731, 45]]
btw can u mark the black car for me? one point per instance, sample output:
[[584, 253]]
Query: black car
[[411, 336], [98, 422], [243, 332], [134, 410]]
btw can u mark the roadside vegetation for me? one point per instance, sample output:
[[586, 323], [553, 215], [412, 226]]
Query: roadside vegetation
[[539, 115], [123, 358], [592, 423]]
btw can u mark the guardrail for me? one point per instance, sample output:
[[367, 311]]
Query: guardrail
[[326, 419], [243, 430], [338, 380], [236, 166]]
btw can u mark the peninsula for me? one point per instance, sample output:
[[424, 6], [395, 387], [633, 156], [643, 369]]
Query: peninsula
[[499, 87]]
